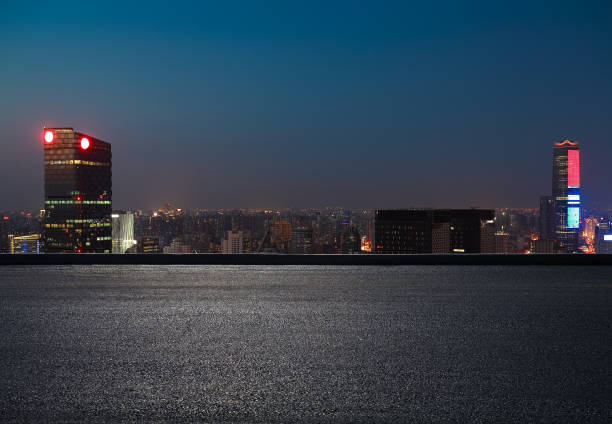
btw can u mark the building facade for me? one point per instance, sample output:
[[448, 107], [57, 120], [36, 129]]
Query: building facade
[[566, 193], [78, 192], [603, 237], [147, 245], [546, 218], [233, 243], [350, 241], [301, 241], [25, 244], [403, 231], [123, 231], [282, 230], [177, 246], [504, 243], [435, 231]]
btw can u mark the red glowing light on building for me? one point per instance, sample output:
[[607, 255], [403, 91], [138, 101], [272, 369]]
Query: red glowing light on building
[[573, 168], [79, 198], [84, 143], [79, 250], [48, 137], [5, 218]]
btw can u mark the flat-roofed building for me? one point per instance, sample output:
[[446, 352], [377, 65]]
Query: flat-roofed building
[[24, 244], [78, 196], [233, 243], [147, 245], [407, 231], [123, 231], [603, 238]]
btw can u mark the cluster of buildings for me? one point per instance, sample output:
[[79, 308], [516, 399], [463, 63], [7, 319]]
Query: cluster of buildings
[[78, 217], [256, 231], [561, 225]]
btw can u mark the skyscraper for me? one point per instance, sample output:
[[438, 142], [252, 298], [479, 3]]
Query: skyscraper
[[546, 218], [566, 193], [78, 192], [123, 231]]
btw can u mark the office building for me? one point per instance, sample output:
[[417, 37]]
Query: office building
[[435, 231], [504, 243], [350, 241], [471, 230], [78, 196], [4, 233], [24, 244], [603, 237], [147, 245], [282, 230], [544, 246], [233, 243], [301, 241], [177, 246], [566, 193], [546, 219], [440, 237], [123, 231], [403, 231], [487, 235]]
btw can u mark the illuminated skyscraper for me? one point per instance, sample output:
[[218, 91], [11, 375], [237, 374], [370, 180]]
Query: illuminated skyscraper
[[123, 231], [77, 192], [566, 193]]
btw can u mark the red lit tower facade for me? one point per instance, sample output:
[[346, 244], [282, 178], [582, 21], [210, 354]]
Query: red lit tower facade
[[78, 196], [566, 193]]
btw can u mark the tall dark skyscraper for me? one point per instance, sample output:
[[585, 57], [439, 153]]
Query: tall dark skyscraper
[[546, 222], [78, 196], [566, 193]]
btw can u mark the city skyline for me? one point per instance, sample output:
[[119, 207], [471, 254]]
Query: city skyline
[[79, 217], [287, 106], [322, 211], [160, 203]]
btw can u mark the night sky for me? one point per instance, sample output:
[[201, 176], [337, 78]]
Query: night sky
[[308, 104]]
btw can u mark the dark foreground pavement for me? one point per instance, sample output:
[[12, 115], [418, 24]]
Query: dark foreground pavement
[[306, 344]]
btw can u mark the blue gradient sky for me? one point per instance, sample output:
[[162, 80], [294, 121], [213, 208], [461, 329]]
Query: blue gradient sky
[[272, 104]]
